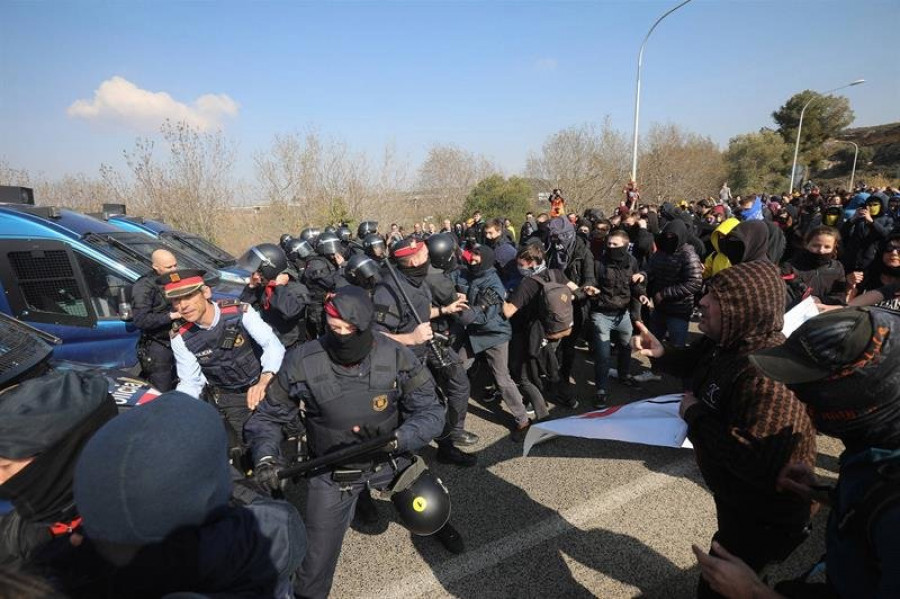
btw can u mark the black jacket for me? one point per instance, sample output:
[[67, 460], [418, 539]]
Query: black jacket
[[617, 291], [284, 309], [677, 277], [151, 309]]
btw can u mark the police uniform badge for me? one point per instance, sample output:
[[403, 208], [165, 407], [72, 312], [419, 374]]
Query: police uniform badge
[[380, 403], [239, 340], [174, 277]]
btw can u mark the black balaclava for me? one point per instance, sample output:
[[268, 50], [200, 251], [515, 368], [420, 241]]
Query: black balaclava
[[354, 305], [487, 261], [617, 256], [68, 408], [672, 237]]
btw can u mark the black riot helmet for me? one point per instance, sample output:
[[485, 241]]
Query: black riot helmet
[[299, 249], [310, 234], [329, 244], [424, 503], [284, 241], [374, 246], [267, 259], [344, 233], [330, 229], [441, 250], [365, 228], [362, 271]]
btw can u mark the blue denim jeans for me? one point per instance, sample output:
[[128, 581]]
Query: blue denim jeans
[[675, 327], [604, 326]]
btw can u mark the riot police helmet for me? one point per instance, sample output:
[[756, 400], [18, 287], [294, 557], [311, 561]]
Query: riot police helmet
[[366, 227], [300, 249], [267, 259], [360, 269], [329, 244], [310, 234], [424, 505], [441, 250], [330, 229], [344, 233], [285, 240], [374, 246]]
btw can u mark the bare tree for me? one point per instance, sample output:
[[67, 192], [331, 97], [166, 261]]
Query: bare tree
[[447, 176], [679, 165], [587, 162], [190, 186]]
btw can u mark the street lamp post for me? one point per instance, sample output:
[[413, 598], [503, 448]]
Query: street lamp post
[[637, 91], [800, 127], [855, 156]]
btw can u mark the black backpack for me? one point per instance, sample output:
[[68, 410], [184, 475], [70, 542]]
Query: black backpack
[[555, 310]]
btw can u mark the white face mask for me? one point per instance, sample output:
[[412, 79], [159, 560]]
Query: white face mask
[[527, 272]]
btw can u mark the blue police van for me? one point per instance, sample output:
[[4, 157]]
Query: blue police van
[[71, 275], [188, 243]]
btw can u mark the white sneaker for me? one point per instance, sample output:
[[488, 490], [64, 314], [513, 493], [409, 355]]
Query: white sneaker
[[646, 377]]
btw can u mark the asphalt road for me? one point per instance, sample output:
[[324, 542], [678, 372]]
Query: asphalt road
[[577, 518]]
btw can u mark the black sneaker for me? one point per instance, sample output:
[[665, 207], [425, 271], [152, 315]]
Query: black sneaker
[[529, 410], [464, 438], [518, 435], [366, 510], [450, 538], [448, 454], [630, 381], [600, 399]]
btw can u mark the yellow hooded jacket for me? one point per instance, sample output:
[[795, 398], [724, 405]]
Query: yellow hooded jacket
[[717, 261]]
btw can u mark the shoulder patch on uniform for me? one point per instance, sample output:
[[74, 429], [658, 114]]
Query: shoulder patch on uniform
[[184, 328], [224, 303]]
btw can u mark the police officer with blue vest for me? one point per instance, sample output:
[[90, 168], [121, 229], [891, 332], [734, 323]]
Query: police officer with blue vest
[[223, 347], [351, 385]]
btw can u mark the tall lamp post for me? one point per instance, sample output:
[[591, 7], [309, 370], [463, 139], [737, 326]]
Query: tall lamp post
[[637, 91], [800, 127], [855, 156]]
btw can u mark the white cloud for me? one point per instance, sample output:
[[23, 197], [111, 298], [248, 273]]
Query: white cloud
[[545, 64], [121, 101]]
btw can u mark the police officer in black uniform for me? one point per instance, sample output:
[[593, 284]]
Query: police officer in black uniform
[[275, 293], [223, 348], [323, 275], [352, 384], [395, 317], [298, 252], [154, 316], [363, 271]]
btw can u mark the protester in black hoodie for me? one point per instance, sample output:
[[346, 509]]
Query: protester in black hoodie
[[814, 271], [865, 232], [675, 276]]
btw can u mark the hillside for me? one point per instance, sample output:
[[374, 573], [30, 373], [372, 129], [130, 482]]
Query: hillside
[[879, 156]]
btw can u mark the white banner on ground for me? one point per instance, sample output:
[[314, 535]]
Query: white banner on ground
[[798, 315], [653, 421]]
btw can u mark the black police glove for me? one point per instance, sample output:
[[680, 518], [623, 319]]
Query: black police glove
[[368, 433], [488, 297], [266, 474]]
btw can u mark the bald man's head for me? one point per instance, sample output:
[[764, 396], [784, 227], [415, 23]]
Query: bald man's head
[[164, 262]]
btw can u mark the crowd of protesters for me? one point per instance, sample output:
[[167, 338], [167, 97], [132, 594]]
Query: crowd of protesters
[[432, 307]]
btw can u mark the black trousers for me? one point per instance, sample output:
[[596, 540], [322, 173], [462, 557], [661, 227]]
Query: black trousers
[[759, 544], [454, 382], [157, 364], [233, 408], [329, 510]]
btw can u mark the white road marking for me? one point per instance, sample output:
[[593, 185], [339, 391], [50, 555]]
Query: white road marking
[[429, 581]]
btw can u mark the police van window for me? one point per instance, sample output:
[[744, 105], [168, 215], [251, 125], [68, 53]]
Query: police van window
[[48, 283], [104, 286]]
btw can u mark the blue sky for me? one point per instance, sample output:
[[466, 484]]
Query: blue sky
[[492, 77]]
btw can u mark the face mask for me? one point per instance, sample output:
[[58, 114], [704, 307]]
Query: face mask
[[527, 272], [874, 209], [667, 243], [348, 349], [415, 274], [817, 260], [618, 254], [830, 219]]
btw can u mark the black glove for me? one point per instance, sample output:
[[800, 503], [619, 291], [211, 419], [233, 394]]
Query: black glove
[[266, 474], [488, 297], [367, 433]]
